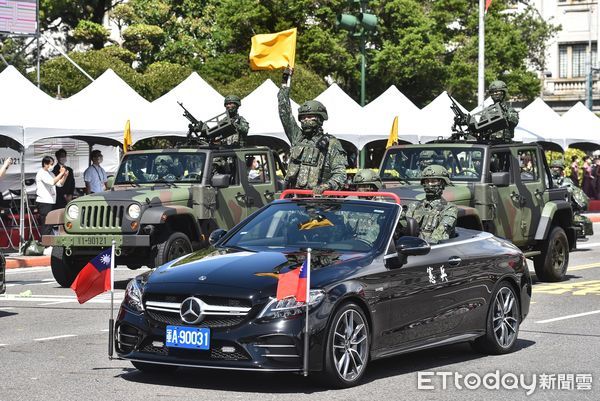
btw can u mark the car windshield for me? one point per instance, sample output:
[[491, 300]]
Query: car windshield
[[343, 227], [174, 167], [463, 164]]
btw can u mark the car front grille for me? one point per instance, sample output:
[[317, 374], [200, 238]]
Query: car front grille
[[101, 216], [127, 338], [223, 351], [214, 316]]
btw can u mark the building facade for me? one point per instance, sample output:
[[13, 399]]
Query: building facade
[[569, 53]]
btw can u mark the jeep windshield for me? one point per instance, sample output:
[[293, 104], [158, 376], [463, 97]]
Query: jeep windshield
[[462, 163], [333, 226], [167, 167]]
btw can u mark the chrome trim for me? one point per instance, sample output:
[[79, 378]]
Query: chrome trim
[[280, 356], [274, 346], [207, 310], [212, 367]]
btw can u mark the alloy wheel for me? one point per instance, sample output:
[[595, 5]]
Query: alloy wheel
[[350, 345], [505, 323]]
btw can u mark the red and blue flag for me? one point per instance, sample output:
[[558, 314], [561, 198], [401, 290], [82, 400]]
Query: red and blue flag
[[293, 283], [94, 278]]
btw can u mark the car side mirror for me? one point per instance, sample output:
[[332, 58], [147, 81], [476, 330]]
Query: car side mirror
[[110, 181], [407, 246], [216, 236], [220, 180], [501, 179]]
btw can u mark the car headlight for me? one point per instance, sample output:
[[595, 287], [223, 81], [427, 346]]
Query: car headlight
[[289, 306], [134, 211], [73, 212], [133, 296]]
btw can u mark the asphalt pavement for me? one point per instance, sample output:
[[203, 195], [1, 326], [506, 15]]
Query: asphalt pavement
[[52, 348]]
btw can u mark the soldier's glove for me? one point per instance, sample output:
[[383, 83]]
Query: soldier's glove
[[319, 189], [287, 73]]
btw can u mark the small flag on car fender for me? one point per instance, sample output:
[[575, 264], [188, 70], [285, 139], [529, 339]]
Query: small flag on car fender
[[94, 278], [293, 284]]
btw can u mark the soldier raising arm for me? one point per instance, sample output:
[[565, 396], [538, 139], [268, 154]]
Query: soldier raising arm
[[317, 160]]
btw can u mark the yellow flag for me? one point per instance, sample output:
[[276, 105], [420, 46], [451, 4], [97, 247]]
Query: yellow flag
[[271, 51], [393, 139], [127, 142]]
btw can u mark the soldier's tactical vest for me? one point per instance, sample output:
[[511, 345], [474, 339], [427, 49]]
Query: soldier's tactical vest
[[428, 218], [306, 164]]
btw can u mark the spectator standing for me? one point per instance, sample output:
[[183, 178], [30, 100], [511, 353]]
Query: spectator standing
[[46, 183], [575, 170], [94, 176], [588, 178], [65, 193], [5, 165], [596, 173]]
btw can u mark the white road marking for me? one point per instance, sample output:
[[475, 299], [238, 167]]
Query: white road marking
[[55, 303], [6, 307], [3, 345], [57, 298], [13, 272], [568, 317], [55, 337], [23, 284], [583, 245], [104, 330]]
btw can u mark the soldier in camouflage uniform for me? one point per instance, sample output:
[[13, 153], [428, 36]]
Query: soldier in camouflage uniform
[[579, 200], [232, 103], [366, 181], [436, 217], [499, 92], [317, 160]]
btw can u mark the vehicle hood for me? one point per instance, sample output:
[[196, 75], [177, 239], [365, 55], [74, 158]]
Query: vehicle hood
[[410, 193], [156, 194], [247, 273]]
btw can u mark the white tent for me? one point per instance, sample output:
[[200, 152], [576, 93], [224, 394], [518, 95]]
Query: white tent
[[538, 122], [579, 124], [379, 114], [165, 117], [260, 108], [437, 118], [345, 115]]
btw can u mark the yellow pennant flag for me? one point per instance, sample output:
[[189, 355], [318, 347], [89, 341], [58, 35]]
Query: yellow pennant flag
[[127, 142], [271, 51], [393, 139]]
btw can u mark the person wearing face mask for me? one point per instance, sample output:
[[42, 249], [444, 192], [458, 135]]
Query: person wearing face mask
[[46, 183], [64, 194], [317, 160], [94, 176], [232, 104], [435, 216]]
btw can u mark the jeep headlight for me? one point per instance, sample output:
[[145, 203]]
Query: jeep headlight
[[134, 211], [133, 296], [289, 306], [73, 212]]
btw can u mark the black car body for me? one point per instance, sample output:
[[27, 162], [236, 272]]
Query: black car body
[[2, 274], [407, 294]]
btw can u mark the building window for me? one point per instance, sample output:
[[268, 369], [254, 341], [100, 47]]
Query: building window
[[579, 64], [563, 61]]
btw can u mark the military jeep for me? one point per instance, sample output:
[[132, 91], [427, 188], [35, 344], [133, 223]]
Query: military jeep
[[163, 204], [503, 188]]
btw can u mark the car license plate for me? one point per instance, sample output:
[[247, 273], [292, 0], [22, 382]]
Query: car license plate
[[188, 337], [96, 240]]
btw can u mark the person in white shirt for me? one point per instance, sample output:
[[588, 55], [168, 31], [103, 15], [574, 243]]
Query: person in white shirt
[[5, 165], [46, 183], [94, 176]]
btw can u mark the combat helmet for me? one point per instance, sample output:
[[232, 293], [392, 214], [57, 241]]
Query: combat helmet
[[232, 99], [556, 168], [498, 87], [558, 163], [313, 107], [434, 171], [366, 177]]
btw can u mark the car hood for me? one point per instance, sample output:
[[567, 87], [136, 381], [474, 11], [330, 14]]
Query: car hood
[[410, 193], [247, 273], [156, 194]]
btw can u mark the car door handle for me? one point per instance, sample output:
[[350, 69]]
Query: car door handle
[[454, 261]]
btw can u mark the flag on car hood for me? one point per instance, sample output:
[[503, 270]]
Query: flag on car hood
[[94, 278], [293, 284]]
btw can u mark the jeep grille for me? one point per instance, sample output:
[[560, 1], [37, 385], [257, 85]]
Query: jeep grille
[[100, 216]]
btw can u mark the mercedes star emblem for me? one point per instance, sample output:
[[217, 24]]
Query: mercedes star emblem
[[191, 310], [202, 278]]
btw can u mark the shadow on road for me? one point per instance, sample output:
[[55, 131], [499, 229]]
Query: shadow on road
[[6, 313], [251, 382]]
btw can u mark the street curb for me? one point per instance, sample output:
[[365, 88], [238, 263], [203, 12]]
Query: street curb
[[27, 261], [594, 219]]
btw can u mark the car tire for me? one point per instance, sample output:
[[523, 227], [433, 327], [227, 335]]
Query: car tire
[[348, 343], [174, 245], [502, 322], [154, 368], [64, 268], [551, 264]]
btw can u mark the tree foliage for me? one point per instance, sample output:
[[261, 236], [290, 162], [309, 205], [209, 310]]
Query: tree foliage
[[421, 46]]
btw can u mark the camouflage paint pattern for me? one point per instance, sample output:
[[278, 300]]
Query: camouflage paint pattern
[[241, 131], [314, 161]]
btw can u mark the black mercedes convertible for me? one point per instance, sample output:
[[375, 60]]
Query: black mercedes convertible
[[375, 291]]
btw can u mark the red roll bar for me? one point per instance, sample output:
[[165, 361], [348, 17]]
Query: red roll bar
[[340, 194]]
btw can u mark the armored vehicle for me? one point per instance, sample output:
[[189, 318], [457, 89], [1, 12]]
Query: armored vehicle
[[163, 204], [504, 188]]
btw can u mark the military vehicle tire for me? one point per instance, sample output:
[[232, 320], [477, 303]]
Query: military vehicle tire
[[551, 264], [64, 268], [174, 245]]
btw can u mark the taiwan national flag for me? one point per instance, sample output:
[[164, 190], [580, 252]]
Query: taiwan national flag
[[293, 283], [488, 3], [94, 278]]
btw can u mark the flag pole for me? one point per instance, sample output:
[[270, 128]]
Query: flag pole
[[111, 324], [306, 328], [481, 64]]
